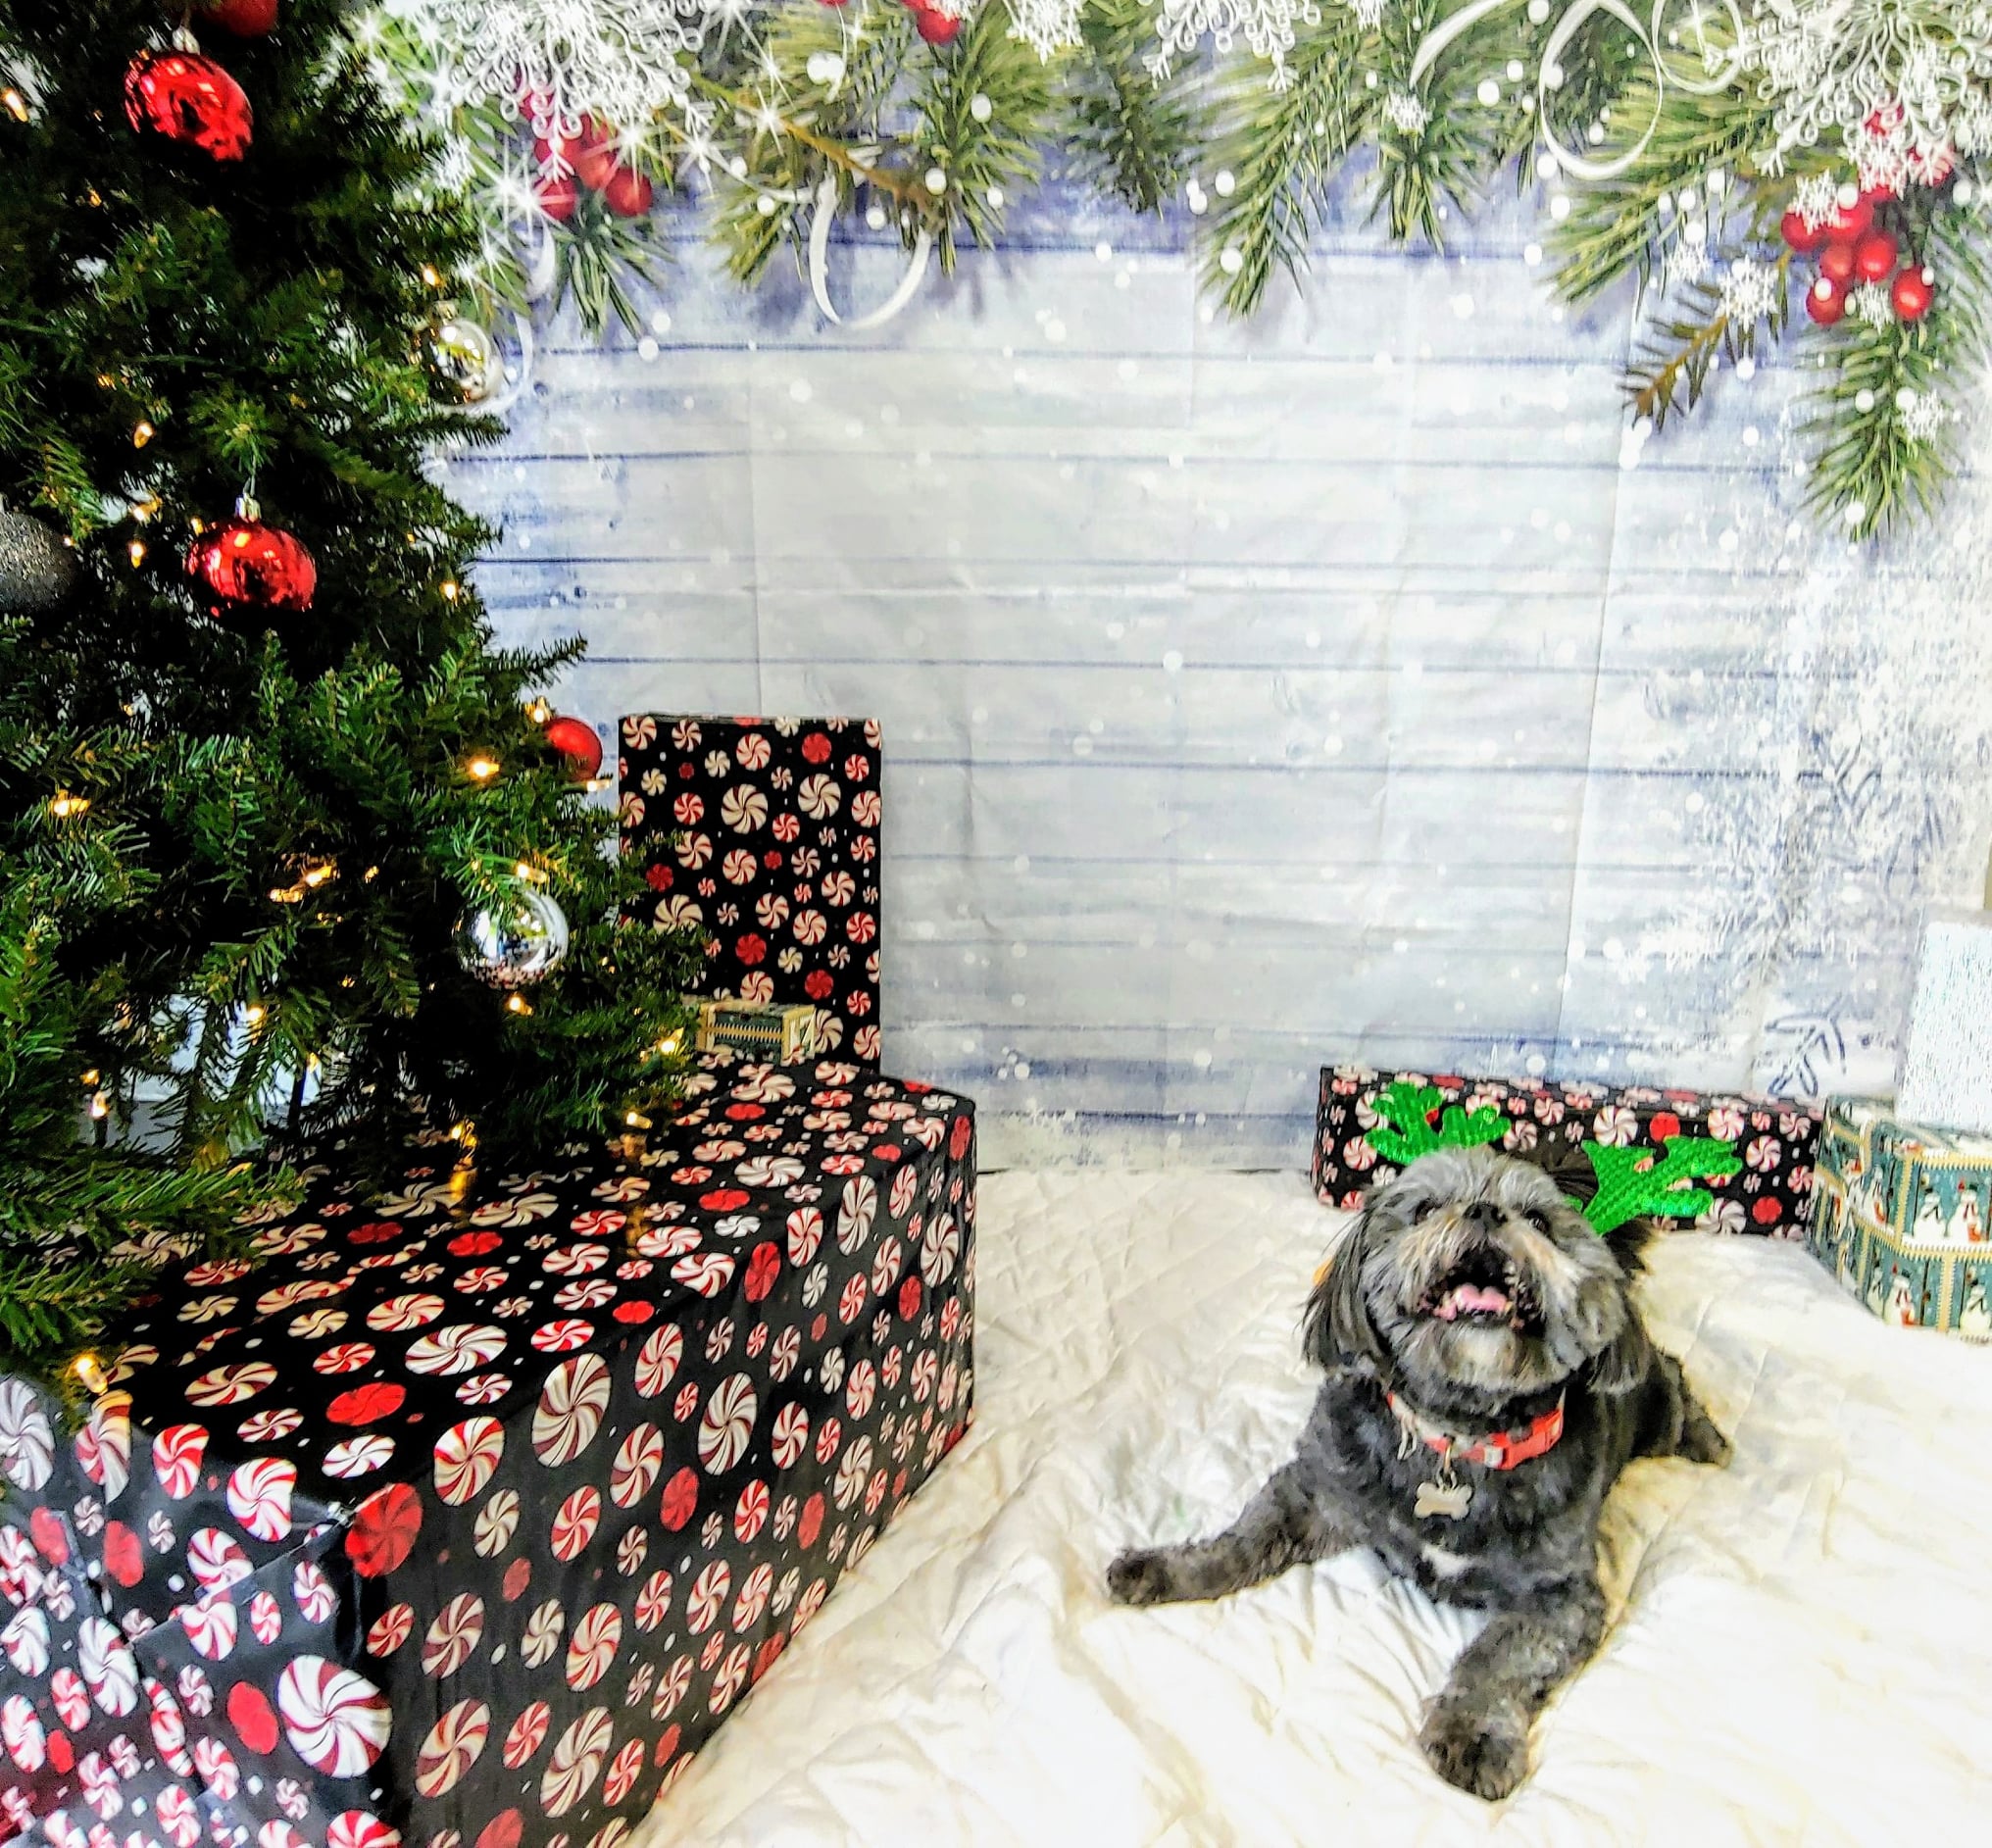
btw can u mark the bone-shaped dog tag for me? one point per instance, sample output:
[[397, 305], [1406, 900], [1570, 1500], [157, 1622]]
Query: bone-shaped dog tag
[[1450, 1499]]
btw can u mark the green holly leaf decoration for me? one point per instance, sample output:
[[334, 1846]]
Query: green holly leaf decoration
[[1626, 1189], [1409, 1109]]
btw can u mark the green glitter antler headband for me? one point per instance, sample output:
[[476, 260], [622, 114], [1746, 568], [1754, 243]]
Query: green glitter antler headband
[[1408, 1110], [1626, 1190]]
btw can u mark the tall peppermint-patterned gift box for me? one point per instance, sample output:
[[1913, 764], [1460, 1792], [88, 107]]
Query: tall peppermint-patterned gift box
[[1901, 1216]]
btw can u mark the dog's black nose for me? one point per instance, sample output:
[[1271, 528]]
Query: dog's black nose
[[1484, 1214]]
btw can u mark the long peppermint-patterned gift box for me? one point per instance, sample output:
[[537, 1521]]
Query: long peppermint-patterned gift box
[[1773, 1139], [465, 1515]]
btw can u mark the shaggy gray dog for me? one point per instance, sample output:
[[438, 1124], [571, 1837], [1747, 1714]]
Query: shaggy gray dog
[[1487, 1381]]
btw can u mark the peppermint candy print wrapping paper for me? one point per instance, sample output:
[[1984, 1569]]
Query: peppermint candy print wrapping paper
[[1776, 1138], [763, 833], [465, 1516]]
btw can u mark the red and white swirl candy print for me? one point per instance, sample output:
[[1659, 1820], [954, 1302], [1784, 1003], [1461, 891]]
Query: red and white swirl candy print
[[728, 1423], [454, 1636], [526, 1735], [452, 1746], [639, 1459], [176, 1454], [569, 1410], [467, 1456], [337, 1722], [576, 1762], [258, 1496], [591, 1647]]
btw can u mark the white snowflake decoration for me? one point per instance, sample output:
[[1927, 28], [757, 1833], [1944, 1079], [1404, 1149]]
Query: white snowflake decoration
[[1818, 199], [1870, 303], [1922, 413], [1269, 27], [1900, 83], [1750, 291], [1045, 25], [1407, 113], [553, 61]]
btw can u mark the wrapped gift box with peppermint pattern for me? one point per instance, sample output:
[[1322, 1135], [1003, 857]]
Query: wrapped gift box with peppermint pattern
[[1775, 1138], [465, 1515], [764, 834], [1903, 1216]]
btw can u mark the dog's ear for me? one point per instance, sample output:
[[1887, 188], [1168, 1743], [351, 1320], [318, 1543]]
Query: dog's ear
[[1622, 1362], [1338, 1330]]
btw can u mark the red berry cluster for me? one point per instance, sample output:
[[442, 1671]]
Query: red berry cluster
[[933, 24], [1854, 248], [590, 160]]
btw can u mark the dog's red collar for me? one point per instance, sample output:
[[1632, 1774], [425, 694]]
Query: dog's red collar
[[1498, 1450]]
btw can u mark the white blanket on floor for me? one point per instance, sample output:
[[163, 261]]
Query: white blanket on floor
[[1800, 1643]]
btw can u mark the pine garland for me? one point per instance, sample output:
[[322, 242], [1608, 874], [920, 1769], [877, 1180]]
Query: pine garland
[[941, 137]]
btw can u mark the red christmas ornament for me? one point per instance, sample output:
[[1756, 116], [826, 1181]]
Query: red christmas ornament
[[1825, 301], [1836, 261], [935, 26], [251, 570], [576, 740], [556, 198], [246, 18], [181, 96], [1912, 293], [1875, 256], [1800, 235], [627, 194]]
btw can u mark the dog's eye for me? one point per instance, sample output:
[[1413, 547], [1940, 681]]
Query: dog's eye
[[1422, 1211], [1537, 1218]]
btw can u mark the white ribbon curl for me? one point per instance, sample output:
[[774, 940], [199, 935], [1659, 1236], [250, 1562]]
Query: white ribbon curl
[[820, 267], [1575, 17]]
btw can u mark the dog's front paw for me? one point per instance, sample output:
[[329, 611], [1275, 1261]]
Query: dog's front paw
[[1702, 1442], [1481, 1752], [1141, 1576]]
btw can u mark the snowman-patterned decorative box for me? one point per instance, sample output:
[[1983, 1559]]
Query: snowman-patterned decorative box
[[1901, 1215]]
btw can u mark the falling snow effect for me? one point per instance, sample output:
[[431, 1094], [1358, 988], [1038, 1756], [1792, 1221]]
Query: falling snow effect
[[1862, 793]]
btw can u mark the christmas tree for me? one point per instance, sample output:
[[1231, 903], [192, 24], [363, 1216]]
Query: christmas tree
[[283, 837]]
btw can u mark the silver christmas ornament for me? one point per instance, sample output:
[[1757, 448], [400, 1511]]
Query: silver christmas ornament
[[517, 942], [37, 572], [463, 358]]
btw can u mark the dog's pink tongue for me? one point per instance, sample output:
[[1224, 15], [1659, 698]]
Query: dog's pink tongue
[[1473, 1299]]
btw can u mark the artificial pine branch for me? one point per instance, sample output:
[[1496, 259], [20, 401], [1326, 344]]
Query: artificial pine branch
[[1868, 471], [985, 153], [1424, 173], [1672, 367], [1283, 147], [1614, 224], [1131, 133]]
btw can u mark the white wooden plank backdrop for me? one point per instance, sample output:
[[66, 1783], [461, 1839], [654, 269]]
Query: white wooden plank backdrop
[[1329, 686]]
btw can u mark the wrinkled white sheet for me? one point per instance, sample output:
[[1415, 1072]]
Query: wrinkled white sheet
[[1800, 1651]]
